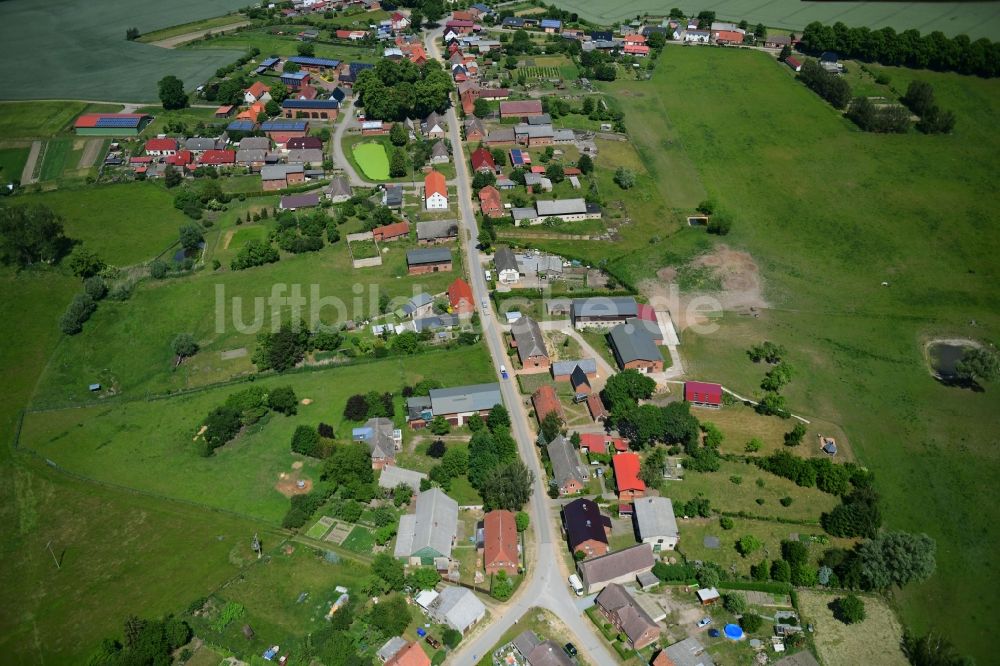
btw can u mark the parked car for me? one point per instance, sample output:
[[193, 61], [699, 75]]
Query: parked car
[[433, 642], [503, 372], [704, 622], [570, 649]]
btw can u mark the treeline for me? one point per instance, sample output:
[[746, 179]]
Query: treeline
[[834, 89], [908, 48], [144, 642], [399, 90], [919, 98]]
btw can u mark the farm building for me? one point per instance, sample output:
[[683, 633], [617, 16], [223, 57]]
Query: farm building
[[161, 147], [569, 474], [429, 533], [225, 111], [455, 404], [299, 201], [688, 652], [392, 476], [428, 260], [654, 516], [545, 402], [618, 567], [602, 311], [586, 528], [703, 394], [596, 442], [527, 338], [317, 109], [295, 80], [562, 371], [280, 176], [521, 109], [431, 232], [391, 232], [596, 407], [627, 481], [501, 550], [635, 349], [111, 124], [284, 129], [314, 64]]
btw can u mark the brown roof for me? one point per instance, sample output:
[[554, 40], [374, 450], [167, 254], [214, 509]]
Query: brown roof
[[528, 336], [521, 107], [596, 406], [411, 655], [619, 563], [545, 400], [634, 621], [500, 537], [549, 653]]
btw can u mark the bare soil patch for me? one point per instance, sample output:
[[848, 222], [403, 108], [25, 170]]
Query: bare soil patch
[[289, 483], [741, 287]]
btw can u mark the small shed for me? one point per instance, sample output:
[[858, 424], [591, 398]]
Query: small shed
[[708, 596]]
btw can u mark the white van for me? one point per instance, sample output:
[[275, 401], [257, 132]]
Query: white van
[[576, 584]]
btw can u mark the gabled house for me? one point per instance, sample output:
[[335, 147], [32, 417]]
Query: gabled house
[[460, 297], [569, 474], [586, 529], [545, 402], [339, 189], [383, 440], [455, 404], [490, 203], [392, 196], [596, 407], [430, 532], [579, 382], [431, 232], [457, 607], [161, 147], [411, 655], [433, 126], [563, 370], [501, 549], [521, 109], [527, 338], [435, 191], [257, 92], [628, 617], [506, 265], [418, 306], [621, 566], [594, 442], [689, 652], [428, 260], [391, 232], [627, 481], [482, 160], [656, 523], [439, 153], [474, 129]]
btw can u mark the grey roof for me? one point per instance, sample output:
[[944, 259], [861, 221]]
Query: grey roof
[[430, 255], [549, 653], [632, 618], [381, 444], [434, 525], [416, 302], [440, 150], [651, 327], [504, 259], [436, 322], [633, 343], [588, 365], [391, 648], [543, 119], [279, 171], [199, 143], [505, 182], [563, 135], [460, 399], [617, 564], [528, 336], [437, 229], [433, 119], [305, 155], [457, 607], [250, 155], [416, 405], [473, 123], [339, 186], [533, 131], [598, 306], [566, 465], [579, 378], [502, 135], [561, 207], [392, 476], [255, 143], [525, 642], [307, 200], [393, 195], [655, 517], [539, 263], [688, 652], [532, 179], [523, 213]]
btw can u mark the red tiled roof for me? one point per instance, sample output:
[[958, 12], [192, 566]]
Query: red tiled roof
[[161, 144], [218, 157], [635, 39], [522, 107], [545, 401], [793, 62], [257, 89], [636, 48], [597, 443], [627, 472], [703, 392], [90, 119], [500, 538], [482, 158], [729, 36], [468, 101], [489, 200], [434, 182], [180, 158], [596, 406], [572, 171], [645, 312], [393, 230], [411, 655], [225, 108], [460, 295], [140, 160]]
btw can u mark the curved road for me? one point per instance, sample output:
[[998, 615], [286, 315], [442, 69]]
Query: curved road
[[545, 585]]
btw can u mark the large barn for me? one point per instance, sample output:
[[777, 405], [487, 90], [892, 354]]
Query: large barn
[[111, 124]]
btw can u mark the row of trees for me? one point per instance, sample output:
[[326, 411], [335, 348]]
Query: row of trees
[[919, 98], [909, 48], [834, 89]]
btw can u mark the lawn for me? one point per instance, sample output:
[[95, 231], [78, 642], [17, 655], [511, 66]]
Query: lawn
[[36, 119], [804, 187], [875, 640], [952, 18], [739, 424], [372, 159], [12, 163], [80, 51], [124, 224], [360, 540], [284, 45], [148, 444], [56, 158]]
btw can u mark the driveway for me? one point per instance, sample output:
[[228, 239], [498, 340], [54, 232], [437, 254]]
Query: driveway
[[340, 160]]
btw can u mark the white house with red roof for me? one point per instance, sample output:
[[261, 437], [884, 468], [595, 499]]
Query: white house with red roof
[[257, 92], [161, 147]]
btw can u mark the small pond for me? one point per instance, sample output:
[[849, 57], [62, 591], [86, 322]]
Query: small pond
[[944, 355]]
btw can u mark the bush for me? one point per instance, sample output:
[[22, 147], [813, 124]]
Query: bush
[[747, 544], [305, 441], [451, 638], [221, 425], [849, 609], [673, 572], [735, 603], [79, 311], [725, 522], [121, 291], [301, 510], [96, 287], [436, 449], [282, 400], [158, 269], [751, 622]]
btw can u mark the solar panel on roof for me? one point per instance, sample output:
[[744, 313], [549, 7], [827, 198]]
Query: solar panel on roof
[[283, 125], [107, 122], [241, 125]]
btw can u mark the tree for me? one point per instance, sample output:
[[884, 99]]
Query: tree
[[282, 400], [172, 94], [896, 558], [439, 425], [720, 224], [932, 650], [786, 51], [708, 576], [85, 263], [221, 425], [753, 445], [625, 178], [849, 609], [498, 418], [507, 487], [279, 92], [389, 569], [436, 449], [978, 364], [402, 494], [751, 622], [416, 20], [781, 571], [625, 388], [397, 165], [455, 462], [96, 287], [132, 34], [184, 345], [748, 544], [555, 173], [349, 463], [522, 520], [481, 108], [306, 49], [794, 552], [651, 470], [398, 135], [77, 312], [31, 234], [305, 441], [796, 435], [451, 637], [391, 615], [502, 586], [726, 523], [254, 253], [585, 164], [551, 425], [191, 237], [172, 177], [735, 603], [356, 408], [272, 108]]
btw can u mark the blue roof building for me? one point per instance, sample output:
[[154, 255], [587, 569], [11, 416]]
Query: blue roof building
[[285, 126], [550, 24], [305, 61], [294, 79], [240, 126]]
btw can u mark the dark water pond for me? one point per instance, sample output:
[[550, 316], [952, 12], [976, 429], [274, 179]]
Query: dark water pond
[[944, 357]]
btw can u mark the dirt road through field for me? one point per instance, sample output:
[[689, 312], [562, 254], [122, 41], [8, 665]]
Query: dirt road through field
[[177, 40]]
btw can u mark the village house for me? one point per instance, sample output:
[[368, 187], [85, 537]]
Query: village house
[[161, 147], [635, 349], [391, 232], [794, 63], [506, 264], [428, 535], [392, 196], [217, 157], [455, 404], [482, 160], [621, 566], [688, 652], [457, 607], [432, 232], [474, 129], [545, 402], [595, 406], [433, 126], [439, 153], [435, 191], [299, 201], [280, 131], [460, 298], [656, 523], [587, 530], [311, 156], [598, 442], [280, 176], [428, 260], [534, 135], [628, 617], [419, 305], [383, 440], [257, 92], [501, 549], [339, 189], [490, 203], [602, 311], [569, 474], [627, 481], [527, 338], [563, 370], [411, 655], [520, 109]]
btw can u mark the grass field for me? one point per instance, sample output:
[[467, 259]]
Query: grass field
[[125, 224], [875, 640], [12, 163], [372, 159], [80, 51], [976, 19], [828, 213], [272, 44], [193, 26], [36, 119], [360, 540]]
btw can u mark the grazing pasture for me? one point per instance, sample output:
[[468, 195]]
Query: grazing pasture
[[874, 640], [975, 19], [79, 51]]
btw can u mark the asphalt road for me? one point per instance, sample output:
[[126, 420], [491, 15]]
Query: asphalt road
[[339, 158], [546, 585]]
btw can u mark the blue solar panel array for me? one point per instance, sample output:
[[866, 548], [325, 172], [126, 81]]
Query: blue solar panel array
[[269, 62], [241, 126], [295, 76], [284, 126], [115, 123], [311, 104], [314, 62]]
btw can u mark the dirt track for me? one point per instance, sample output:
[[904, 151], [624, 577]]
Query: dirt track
[[177, 40]]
